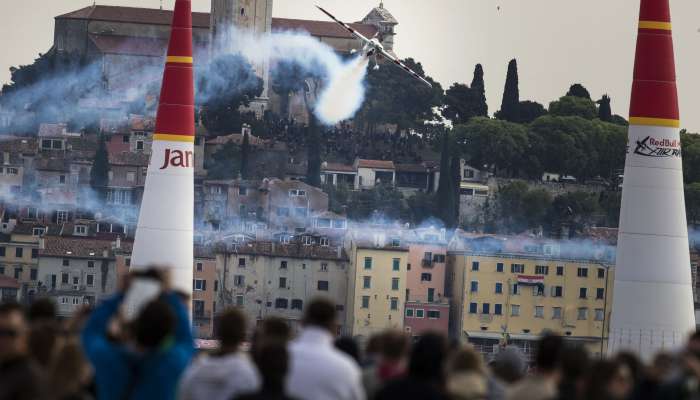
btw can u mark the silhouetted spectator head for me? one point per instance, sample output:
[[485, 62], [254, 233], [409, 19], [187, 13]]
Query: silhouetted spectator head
[[428, 358], [348, 346], [13, 331], [610, 380], [275, 328], [374, 347], [574, 362], [466, 359], [272, 361], [549, 350], [509, 365], [154, 324], [633, 363], [231, 329], [43, 335], [320, 313], [394, 345], [42, 309]]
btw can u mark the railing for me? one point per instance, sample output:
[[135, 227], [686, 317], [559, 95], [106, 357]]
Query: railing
[[427, 263], [202, 315]]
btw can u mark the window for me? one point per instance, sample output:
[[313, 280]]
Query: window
[[38, 231], [324, 266], [283, 283], [19, 252], [61, 179], [76, 301], [475, 265], [560, 270], [420, 313], [239, 280], [64, 278], [395, 242], [499, 267], [90, 279], [127, 262], [297, 304], [200, 266], [297, 193], [583, 293], [426, 277], [366, 282], [307, 240], [556, 312], [542, 270], [281, 303], [242, 191], [517, 268], [282, 212], [240, 300], [395, 264], [433, 314], [582, 314], [439, 258], [365, 301], [539, 312], [139, 145], [514, 310], [131, 176], [18, 273], [601, 273], [323, 241], [2, 270], [368, 262], [301, 211], [394, 283], [538, 290], [241, 262], [498, 309], [322, 285], [409, 313], [486, 308], [339, 223], [2, 251], [33, 274], [12, 171], [474, 286], [499, 288], [323, 223], [76, 280], [514, 289], [35, 253], [394, 303], [582, 272], [61, 216], [200, 284], [599, 314], [283, 265], [557, 291], [473, 308], [600, 293], [66, 262], [431, 295]]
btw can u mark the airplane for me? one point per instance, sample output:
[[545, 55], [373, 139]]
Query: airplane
[[373, 48]]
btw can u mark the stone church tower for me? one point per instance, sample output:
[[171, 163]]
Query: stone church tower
[[251, 15]]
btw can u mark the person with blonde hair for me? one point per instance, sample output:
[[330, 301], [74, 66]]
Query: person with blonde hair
[[466, 375], [69, 372]]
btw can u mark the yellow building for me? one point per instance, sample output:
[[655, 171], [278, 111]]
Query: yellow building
[[376, 281], [514, 289]]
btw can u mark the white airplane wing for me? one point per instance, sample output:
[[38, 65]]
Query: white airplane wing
[[404, 67], [346, 26]]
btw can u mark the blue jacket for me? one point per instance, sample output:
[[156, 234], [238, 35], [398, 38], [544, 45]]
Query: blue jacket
[[152, 375]]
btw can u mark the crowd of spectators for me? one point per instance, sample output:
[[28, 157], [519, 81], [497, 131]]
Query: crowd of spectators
[[99, 354]]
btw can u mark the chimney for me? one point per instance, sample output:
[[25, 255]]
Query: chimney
[[118, 243]]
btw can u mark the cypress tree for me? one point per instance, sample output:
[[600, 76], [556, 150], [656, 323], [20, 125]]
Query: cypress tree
[[479, 89], [604, 110], [455, 179], [446, 193], [245, 149], [578, 90], [313, 151], [511, 95], [99, 174]]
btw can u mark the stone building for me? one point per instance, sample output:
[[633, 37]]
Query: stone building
[[204, 290]]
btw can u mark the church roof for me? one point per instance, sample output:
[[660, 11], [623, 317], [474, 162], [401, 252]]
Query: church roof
[[382, 14], [152, 16], [112, 44]]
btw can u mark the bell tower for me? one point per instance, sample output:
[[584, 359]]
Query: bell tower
[[254, 16]]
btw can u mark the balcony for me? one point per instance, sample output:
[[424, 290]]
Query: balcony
[[205, 315], [427, 263]]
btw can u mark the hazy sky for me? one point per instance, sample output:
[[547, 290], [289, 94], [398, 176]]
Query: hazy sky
[[556, 42]]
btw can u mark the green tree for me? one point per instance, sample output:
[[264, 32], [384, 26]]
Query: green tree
[[446, 201], [459, 103], [99, 174], [225, 85], [610, 202], [574, 209], [530, 111], [577, 90], [225, 163], [479, 89], [396, 97], [692, 203], [511, 95], [690, 143], [245, 152], [570, 106], [518, 208], [604, 110], [421, 207], [313, 152], [288, 78]]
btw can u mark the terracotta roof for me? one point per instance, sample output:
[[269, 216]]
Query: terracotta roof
[[111, 44], [8, 282], [71, 247], [201, 20], [376, 164], [26, 228], [411, 168], [18, 145], [52, 130], [52, 164], [128, 158], [291, 250], [337, 167]]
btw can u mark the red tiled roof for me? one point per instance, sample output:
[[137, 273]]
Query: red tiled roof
[[378, 164], [111, 44], [201, 20], [56, 246], [338, 167], [8, 282], [128, 158]]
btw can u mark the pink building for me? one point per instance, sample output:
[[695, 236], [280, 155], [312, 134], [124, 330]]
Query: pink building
[[427, 308]]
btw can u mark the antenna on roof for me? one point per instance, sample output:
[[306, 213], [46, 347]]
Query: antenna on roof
[[381, 4]]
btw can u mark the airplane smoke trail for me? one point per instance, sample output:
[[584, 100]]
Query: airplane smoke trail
[[344, 94]]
